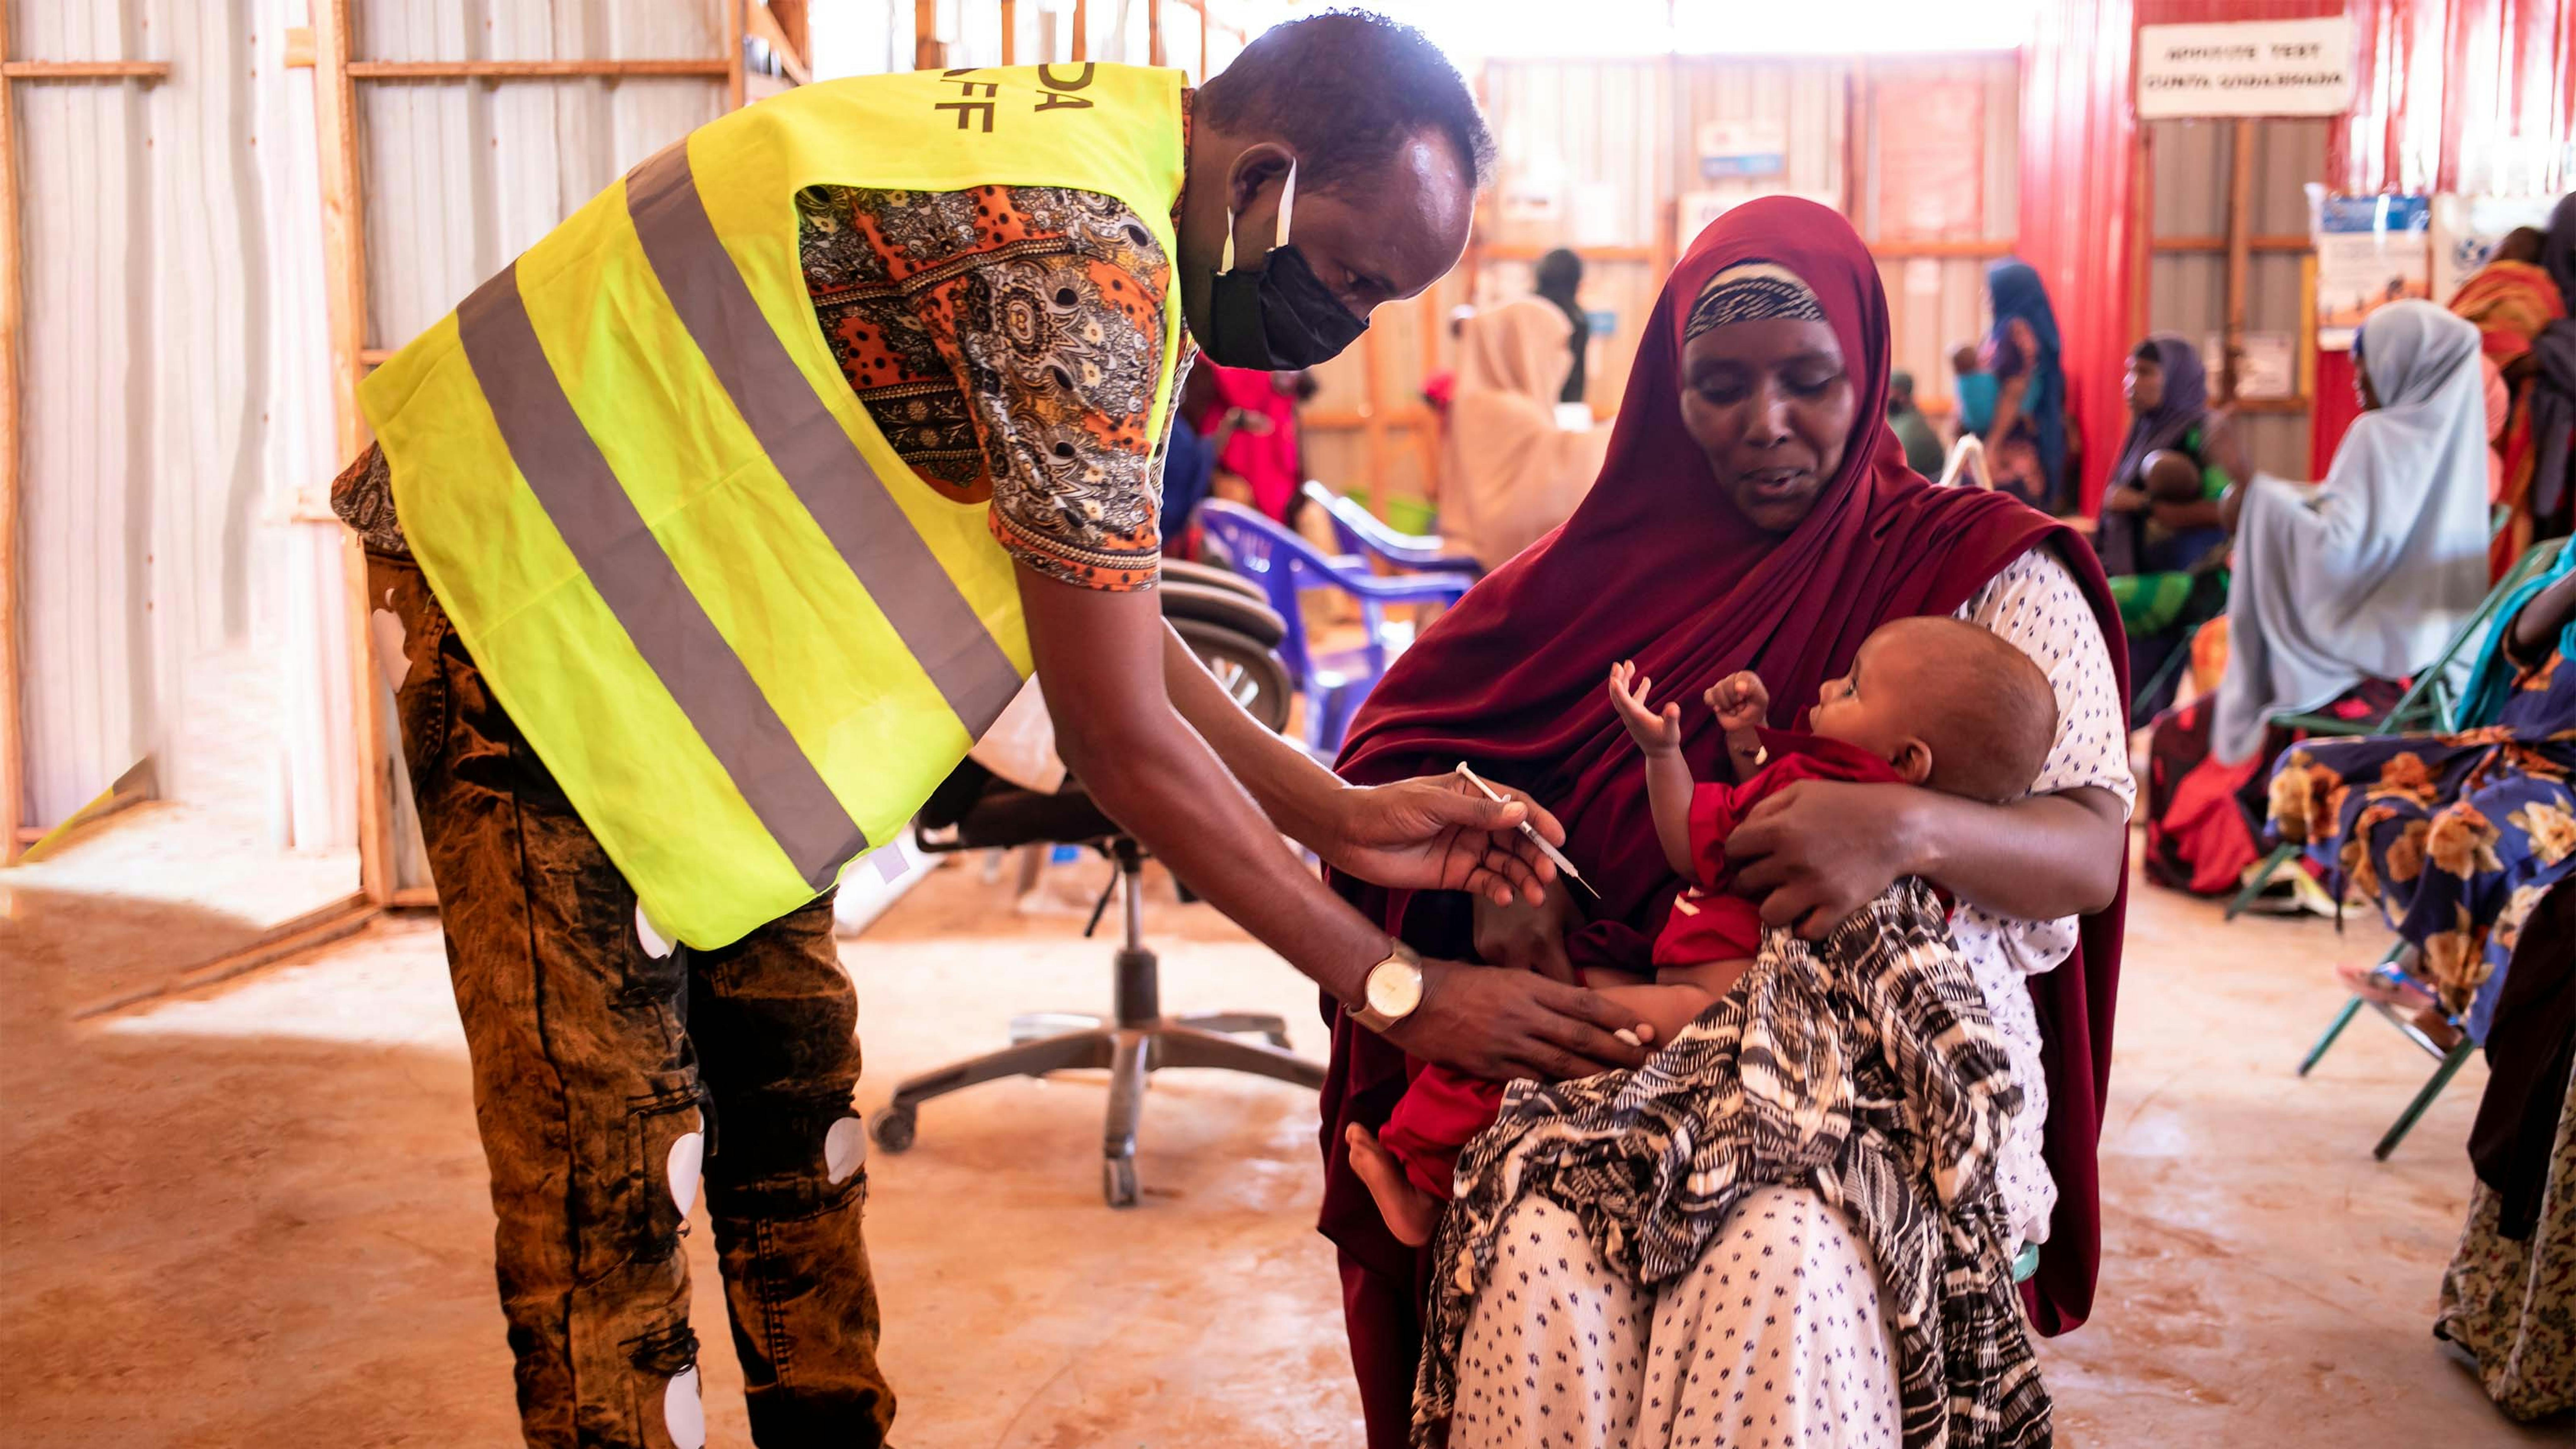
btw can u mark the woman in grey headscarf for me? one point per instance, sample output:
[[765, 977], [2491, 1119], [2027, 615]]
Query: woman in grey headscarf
[[2341, 588]]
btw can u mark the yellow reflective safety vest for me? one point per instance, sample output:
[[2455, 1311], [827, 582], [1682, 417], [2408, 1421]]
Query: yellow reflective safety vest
[[744, 637]]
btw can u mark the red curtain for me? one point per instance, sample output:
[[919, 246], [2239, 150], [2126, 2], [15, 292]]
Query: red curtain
[[2075, 199]]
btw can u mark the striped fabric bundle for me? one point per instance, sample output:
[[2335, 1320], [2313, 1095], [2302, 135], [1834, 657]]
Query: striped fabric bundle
[[1865, 1068]]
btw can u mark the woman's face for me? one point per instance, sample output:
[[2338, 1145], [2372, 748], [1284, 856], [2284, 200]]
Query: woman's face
[[2145, 385], [1772, 405], [2361, 388]]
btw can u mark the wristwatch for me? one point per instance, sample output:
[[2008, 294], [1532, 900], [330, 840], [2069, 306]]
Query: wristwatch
[[1391, 991]]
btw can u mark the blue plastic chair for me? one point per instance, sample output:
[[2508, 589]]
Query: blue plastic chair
[[1362, 534], [1284, 565]]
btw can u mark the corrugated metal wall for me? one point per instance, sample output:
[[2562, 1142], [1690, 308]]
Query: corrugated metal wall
[[462, 176], [2191, 168], [1595, 153], [146, 295]]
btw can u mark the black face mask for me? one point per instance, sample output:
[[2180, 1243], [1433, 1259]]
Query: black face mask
[[1281, 317]]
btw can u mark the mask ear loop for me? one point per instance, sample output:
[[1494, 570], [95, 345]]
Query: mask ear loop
[[1287, 209]]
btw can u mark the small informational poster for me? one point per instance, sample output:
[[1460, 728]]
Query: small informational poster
[[1694, 210], [1753, 147], [2371, 251], [2467, 228], [2245, 68], [2267, 364], [1931, 159]]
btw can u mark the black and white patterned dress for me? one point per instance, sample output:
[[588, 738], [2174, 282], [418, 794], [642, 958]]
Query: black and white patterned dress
[[1667, 1256]]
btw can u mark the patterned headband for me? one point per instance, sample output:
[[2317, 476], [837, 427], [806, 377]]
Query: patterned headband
[[1752, 292]]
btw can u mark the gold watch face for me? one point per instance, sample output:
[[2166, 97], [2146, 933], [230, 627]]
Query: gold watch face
[[1394, 988]]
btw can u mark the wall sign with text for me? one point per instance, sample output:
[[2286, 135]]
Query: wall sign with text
[[2245, 68]]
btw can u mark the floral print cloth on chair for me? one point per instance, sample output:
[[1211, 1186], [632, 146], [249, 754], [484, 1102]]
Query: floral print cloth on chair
[[2457, 837]]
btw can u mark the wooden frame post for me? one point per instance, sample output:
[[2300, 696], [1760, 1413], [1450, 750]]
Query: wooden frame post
[[1081, 30], [336, 73], [1154, 32], [2240, 242], [13, 318], [16, 831], [344, 289], [1010, 32]]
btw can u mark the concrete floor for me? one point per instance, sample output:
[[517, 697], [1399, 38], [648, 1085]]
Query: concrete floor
[[257, 1215]]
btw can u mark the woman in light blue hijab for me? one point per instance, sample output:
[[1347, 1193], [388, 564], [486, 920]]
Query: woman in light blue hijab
[[2342, 589]]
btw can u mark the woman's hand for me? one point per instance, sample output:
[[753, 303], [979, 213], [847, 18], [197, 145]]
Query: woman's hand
[[1440, 833], [1818, 850], [2125, 500], [1654, 733], [1528, 936]]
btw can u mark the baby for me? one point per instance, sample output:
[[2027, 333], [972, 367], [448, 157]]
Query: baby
[[1929, 701], [1975, 388]]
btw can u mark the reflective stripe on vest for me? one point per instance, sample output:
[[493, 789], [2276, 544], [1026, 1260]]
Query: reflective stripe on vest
[[744, 637]]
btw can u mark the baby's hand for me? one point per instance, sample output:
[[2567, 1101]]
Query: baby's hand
[[1740, 700], [1653, 733]]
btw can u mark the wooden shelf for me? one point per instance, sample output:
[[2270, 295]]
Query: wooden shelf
[[82, 70], [1899, 250], [501, 70], [2282, 243]]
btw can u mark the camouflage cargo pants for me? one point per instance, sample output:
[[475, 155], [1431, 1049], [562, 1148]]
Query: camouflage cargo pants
[[611, 1073]]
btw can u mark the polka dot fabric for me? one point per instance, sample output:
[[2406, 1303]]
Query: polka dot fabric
[[1774, 1339], [2036, 606]]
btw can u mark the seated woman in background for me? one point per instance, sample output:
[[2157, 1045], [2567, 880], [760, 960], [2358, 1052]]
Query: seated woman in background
[[2513, 301], [1511, 473], [2341, 589], [2162, 538]]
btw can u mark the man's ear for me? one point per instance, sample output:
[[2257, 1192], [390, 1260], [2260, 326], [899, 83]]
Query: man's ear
[[1259, 165], [1912, 759]]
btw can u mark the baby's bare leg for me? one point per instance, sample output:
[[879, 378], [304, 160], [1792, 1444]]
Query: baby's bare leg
[[1665, 1007]]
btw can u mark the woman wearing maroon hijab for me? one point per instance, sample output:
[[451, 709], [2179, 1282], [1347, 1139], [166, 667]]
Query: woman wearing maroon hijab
[[1754, 512]]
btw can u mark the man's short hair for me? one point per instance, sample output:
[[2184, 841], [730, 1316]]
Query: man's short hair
[[1344, 90]]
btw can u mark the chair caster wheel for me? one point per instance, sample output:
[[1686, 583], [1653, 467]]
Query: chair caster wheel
[[1118, 1181], [892, 1127]]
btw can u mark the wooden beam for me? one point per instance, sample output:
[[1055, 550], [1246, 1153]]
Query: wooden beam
[[2240, 231], [927, 52], [1010, 32], [13, 303], [2269, 242], [344, 290], [1966, 247], [1373, 418], [1154, 32], [711, 68], [333, 922], [2269, 405], [1081, 30], [85, 70], [1532, 251], [2142, 222]]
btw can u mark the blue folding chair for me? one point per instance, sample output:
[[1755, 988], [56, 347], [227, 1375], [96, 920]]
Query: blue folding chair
[[2429, 706], [1285, 565], [1361, 533]]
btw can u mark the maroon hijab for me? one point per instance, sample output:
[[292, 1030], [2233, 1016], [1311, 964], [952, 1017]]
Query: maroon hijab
[[1658, 566]]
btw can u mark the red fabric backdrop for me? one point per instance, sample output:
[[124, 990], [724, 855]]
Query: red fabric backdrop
[[2469, 95]]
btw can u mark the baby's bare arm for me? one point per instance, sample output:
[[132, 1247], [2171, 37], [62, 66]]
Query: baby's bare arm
[[1668, 777], [1742, 703]]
